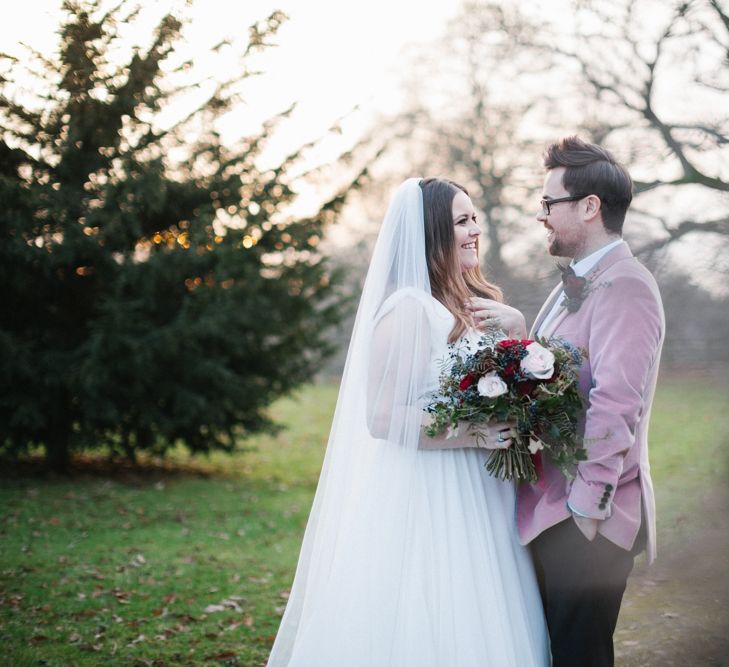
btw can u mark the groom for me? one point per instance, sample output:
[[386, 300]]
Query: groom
[[585, 532]]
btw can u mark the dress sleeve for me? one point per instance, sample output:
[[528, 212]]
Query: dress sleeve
[[398, 371]]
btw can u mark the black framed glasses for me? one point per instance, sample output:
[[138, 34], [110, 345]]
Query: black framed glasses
[[547, 203]]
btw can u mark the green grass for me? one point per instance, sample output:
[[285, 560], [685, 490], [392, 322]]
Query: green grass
[[119, 569], [689, 453], [674, 612]]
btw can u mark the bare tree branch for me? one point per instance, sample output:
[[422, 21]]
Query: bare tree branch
[[718, 226]]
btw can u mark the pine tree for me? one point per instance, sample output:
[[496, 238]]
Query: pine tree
[[145, 300]]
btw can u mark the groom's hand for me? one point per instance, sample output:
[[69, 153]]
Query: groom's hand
[[587, 526]]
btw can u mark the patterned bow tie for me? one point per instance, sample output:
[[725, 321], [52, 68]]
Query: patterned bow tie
[[574, 288]]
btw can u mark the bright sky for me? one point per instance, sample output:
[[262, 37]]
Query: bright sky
[[331, 55]]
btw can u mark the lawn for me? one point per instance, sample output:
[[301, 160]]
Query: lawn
[[189, 562]]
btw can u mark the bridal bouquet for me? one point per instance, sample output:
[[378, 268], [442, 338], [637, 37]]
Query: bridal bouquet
[[530, 382]]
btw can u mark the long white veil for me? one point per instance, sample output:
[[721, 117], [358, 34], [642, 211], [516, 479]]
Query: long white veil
[[347, 583]]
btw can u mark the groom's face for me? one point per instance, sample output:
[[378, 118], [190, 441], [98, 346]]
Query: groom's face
[[566, 230]]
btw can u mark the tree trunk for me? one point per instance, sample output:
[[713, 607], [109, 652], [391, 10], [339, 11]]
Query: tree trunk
[[494, 261], [128, 447], [58, 453]]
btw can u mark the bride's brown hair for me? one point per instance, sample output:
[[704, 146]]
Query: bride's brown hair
[[451, 286]]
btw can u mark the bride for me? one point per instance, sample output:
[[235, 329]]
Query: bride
[[410, 556]]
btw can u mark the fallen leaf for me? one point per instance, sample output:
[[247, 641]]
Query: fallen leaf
[[93, 648], [122, 597], [138, 561], [228, 603], [225, 655]]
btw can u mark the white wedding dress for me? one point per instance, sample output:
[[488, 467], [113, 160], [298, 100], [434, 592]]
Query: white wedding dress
[[466, 591], [410, 556]]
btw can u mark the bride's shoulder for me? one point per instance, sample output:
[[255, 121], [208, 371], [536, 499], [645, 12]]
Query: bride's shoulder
[[411, 299]]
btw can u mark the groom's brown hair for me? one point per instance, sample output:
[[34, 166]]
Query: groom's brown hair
[[593, 170]]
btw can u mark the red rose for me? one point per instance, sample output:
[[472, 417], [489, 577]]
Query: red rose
[[510, 343], [466, 382], [526, 387], [510, 369]]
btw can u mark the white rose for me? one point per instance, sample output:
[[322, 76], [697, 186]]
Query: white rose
[[491, 385], [538, 363]]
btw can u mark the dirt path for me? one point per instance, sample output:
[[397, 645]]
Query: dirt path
[[676, 613]]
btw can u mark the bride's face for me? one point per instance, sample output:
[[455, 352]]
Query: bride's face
[[466, 231]]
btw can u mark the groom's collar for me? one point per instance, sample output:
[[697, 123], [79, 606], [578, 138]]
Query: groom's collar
[[583, 266], [613, 255]]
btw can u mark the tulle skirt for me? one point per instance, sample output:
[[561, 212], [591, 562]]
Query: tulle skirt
[[453, 588]]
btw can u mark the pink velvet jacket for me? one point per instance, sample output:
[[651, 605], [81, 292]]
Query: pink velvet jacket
[[621, 324]]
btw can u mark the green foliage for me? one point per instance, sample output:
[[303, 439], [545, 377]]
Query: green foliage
[[147, 299]]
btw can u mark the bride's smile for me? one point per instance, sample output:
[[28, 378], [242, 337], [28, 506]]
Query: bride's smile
[[466, 231]]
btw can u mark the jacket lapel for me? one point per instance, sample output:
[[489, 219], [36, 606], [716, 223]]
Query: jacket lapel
[[617, 254], [545, 309], [555, 322]]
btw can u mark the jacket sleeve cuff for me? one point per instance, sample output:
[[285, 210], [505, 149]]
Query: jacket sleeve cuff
[[593, 501]]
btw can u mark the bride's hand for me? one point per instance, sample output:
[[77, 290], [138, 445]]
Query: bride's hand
[[497, 435], [487, 312], [494, 435]]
